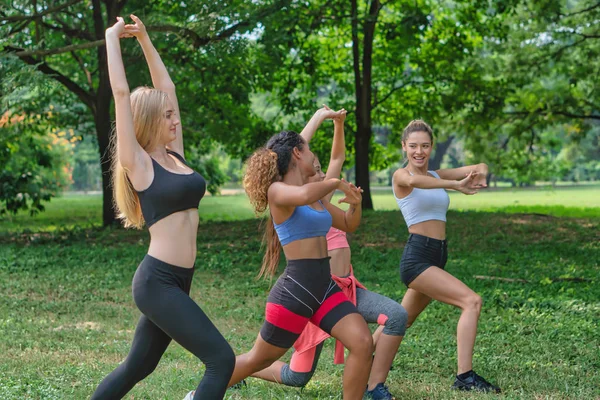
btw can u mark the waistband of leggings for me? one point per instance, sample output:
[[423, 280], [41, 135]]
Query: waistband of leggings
[[155, 263], [302, 264], [427, 241]]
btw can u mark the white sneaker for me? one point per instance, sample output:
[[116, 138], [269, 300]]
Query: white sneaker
[[190, 395]]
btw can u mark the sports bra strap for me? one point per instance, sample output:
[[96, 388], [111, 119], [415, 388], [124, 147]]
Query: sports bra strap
[[177, 155]]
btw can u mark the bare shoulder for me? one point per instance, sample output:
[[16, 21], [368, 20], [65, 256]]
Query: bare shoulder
[[400, 184], [399, 176], [276, 187]]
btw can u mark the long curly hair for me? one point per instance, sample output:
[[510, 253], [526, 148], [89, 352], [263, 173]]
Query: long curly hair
[[267, 165]]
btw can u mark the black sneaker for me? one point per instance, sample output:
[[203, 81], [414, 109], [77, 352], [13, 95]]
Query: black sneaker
[[474, 382], [240, 385], [379, 392]]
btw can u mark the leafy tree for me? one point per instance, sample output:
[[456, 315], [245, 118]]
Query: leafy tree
[[65, 42], [386, 62], [538, 89], [33, 162]]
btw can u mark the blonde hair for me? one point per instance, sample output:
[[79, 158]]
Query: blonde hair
[[417, 125], [148, 106]]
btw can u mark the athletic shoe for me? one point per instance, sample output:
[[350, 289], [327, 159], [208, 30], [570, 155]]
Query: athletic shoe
[[190, 395], [474, 382], [240, 385], [380, 392]]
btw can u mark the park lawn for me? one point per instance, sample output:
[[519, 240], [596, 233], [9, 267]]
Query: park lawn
[[67, 315], [80, 210]]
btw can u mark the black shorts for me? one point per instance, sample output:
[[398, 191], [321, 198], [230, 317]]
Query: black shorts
[[420, 253], [304, 292]]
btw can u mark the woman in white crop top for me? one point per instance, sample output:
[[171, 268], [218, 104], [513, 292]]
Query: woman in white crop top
[[422, 198]]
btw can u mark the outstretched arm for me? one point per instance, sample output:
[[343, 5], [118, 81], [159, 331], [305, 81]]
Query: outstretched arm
[[160, 76], [481, 171], [402, 178], [129, 151]]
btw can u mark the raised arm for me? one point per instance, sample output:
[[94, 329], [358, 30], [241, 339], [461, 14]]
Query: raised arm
[[158, 72], [316, 120], [402, 178], [129, 151], [459, 173]]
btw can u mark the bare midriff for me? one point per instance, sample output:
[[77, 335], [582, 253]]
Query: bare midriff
[[340, 261], [173, 238], [315, 247], [433, 228]]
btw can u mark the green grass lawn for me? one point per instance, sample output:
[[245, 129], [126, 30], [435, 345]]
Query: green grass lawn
[[67, 316], [85, 210]]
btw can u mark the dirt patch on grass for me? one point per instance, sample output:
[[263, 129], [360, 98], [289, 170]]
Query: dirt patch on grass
[[88, 325]]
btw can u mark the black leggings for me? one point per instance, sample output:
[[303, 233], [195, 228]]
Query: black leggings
[[161, 292]]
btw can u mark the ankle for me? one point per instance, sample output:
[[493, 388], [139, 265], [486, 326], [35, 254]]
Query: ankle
[[465, 374]]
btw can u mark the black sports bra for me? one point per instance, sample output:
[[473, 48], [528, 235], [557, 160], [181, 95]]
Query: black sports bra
[[170, 192]]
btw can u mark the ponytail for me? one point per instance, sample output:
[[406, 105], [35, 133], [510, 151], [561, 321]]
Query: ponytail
[[265, 166], [261, 172]]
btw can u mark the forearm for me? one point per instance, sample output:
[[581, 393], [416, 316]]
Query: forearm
[[428, 182], [160, 76], [338, 148], [312, 126], [352, 217], [460, 173], [116, 69]]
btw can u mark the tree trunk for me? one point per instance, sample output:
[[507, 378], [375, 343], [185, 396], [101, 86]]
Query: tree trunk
[[102, 113], [363, 91], [440, 150], [361, 152], [103, 131]]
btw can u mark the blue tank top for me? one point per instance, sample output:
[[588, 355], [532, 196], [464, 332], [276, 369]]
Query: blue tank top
[[424, 204], [305, 222], [170, 192]]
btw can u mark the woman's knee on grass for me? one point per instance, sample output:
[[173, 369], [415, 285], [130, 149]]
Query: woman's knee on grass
[[397, 321], [295, 379]]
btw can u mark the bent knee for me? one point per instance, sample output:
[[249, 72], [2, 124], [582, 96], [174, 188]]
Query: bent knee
[[295, 379], [473, 302], [396, 322], [361, 343], [222, 356], [228, 360]]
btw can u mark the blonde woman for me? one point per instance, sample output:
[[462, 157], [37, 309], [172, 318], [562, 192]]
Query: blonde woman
[[153, 185]]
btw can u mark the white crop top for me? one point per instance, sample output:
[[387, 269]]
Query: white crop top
[[424, 204]]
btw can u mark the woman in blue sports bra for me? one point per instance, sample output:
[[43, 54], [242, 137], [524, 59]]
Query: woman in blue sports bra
[[277, 178], [153, 185], [422, 198]]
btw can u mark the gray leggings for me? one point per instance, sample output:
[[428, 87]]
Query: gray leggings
[[374, 308]]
